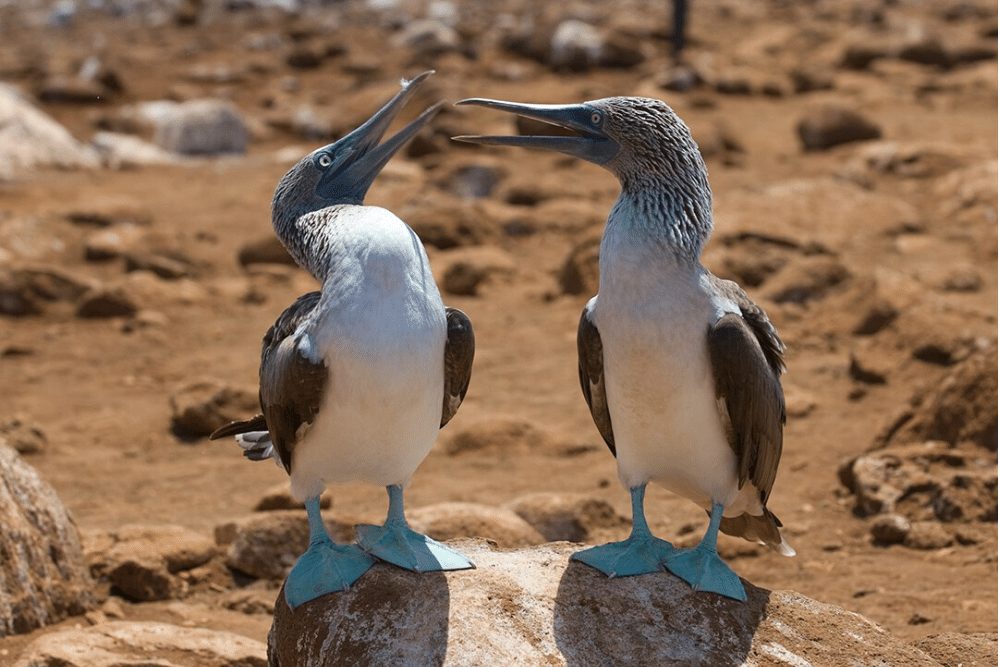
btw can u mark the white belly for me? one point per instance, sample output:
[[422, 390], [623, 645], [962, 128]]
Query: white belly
[[380, 415], [661, 398], [382, 334]]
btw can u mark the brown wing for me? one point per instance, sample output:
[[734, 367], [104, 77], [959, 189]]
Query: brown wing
[[459, 351], [291, 385], [750, 395], [765, 333], [591, 364]]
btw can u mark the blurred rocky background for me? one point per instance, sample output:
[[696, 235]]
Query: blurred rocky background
[[852, 153]]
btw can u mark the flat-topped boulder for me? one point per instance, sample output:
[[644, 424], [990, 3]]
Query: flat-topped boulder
[[533, 606]]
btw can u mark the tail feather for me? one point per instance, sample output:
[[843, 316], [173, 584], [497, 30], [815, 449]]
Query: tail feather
[[763, 528], [256, 445], [256, 423]]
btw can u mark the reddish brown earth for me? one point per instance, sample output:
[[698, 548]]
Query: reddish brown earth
[[918, 234]]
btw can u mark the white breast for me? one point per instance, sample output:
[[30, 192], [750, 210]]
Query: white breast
[[653, 314], [381, 332]]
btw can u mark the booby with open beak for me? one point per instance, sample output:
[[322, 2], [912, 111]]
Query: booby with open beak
[[357, 378], [681, 370]]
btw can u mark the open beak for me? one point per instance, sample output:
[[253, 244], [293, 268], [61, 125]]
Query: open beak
[[359, 153], [590, 142]]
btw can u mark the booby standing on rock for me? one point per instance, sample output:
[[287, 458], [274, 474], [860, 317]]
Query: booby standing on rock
[[680, 369], [356, 379]]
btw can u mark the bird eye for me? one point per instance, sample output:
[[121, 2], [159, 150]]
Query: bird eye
[[595, 118], [325, 160]]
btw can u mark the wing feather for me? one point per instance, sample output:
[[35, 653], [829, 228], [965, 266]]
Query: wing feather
[[459, 351], [590, 353], [291, 385]]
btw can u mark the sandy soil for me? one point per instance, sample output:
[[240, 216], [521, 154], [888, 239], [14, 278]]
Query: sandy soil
[[100, 391]]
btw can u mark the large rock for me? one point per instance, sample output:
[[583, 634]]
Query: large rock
[[131, 644], [43, 575], [533, 606], [29, 138]]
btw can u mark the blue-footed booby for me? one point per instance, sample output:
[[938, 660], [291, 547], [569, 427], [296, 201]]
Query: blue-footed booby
[[357, 378], [680, 368]]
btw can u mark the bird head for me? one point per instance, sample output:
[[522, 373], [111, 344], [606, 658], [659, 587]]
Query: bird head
[[640, 140], [342, 172]]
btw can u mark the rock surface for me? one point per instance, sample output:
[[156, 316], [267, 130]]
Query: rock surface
[[43, 576], [532, 607], [140, 561], [138, 644]]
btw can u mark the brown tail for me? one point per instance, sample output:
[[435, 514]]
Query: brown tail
[[762, 528], [235, 428]]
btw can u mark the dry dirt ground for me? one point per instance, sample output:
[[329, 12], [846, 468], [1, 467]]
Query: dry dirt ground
[[832, 236]]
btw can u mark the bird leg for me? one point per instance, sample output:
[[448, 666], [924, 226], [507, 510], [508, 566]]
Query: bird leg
[[641, 553], [395, 542], [325, 567], [702, 567]]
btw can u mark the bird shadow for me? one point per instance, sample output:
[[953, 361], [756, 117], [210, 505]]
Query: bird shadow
[[652, 619], [404, 616]]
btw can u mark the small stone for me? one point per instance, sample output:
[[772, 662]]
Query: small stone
[[448, 521], [142, 580], [575, 45], [473, 181], [279, 497], [807, 278], [23, 436], [928, 535], [201, 127], [831, 126], [428, 38], [925, 50], [889, 529], [265, 250], [466, 269], [876, 316], [864, 368], [680, 78], [571, 517], [965, 279], [168, 268], [62, 90], [201, 407], [304, 57], [579, 272], [111, 242], [250, 601], [112, 608], [918, 619], [106, 302]]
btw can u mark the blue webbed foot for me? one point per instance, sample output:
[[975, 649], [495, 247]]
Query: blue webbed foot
[[704, 570], [325, 568], [400, 545], [395, 542], [639, 554]]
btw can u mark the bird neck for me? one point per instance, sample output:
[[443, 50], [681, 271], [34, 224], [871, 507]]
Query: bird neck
[[305, 234], [660, 213]]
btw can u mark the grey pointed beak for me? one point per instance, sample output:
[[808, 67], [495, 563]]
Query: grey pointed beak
[[591, 143], [359, 154]]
